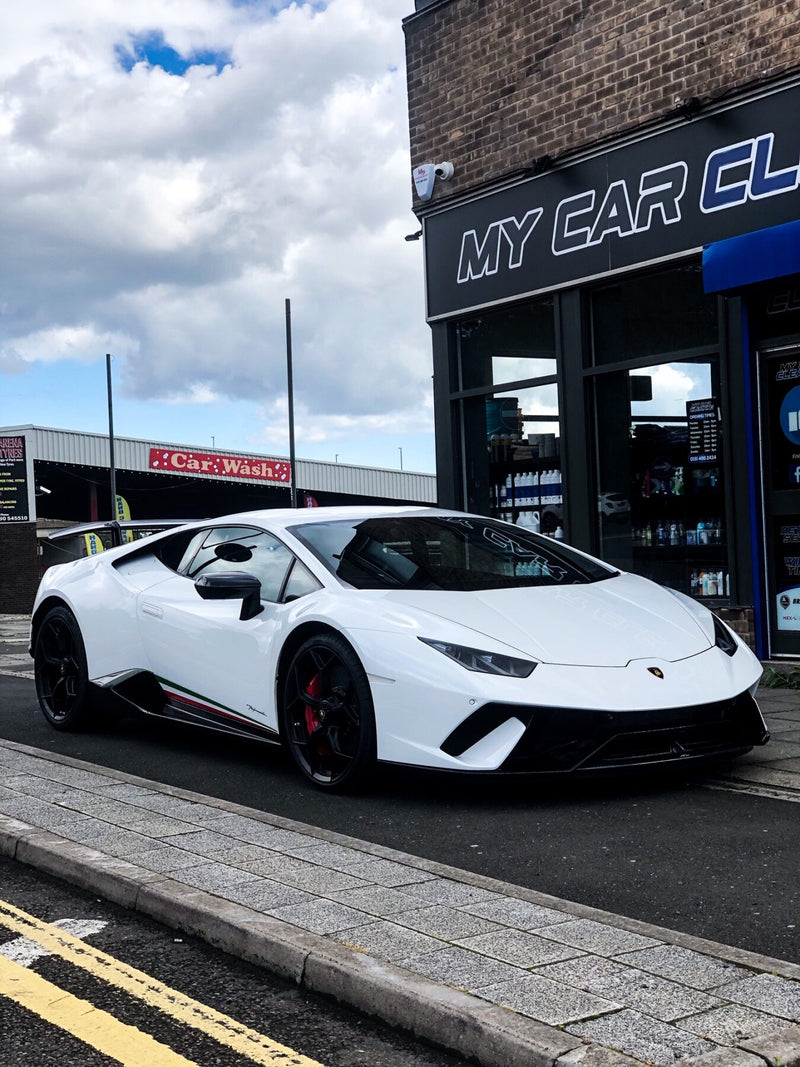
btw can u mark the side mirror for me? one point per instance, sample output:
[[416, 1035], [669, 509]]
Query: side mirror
[[230, 585]]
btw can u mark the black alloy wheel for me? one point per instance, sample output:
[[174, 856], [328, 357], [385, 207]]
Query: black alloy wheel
[[327, 713], [59, 666]]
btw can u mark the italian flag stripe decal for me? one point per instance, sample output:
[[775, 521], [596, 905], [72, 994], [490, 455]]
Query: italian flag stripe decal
[[197, 700]]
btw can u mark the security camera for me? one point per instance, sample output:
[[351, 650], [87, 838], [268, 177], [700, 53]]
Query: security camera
[[427, 173]]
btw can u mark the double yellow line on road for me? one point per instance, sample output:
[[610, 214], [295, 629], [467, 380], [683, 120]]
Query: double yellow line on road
[[127, 1044]]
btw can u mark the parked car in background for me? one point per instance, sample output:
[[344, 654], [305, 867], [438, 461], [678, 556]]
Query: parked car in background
[[613, 505]]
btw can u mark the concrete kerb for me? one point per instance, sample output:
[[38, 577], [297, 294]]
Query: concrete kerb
[[446, 1017]]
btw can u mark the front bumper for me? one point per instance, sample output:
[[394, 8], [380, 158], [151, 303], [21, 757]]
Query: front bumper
[[577, 739]]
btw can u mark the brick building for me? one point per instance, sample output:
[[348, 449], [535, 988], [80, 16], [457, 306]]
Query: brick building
[[612, 261]]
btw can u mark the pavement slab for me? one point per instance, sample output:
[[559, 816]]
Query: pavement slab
[[643, 1037], [682, 965], [549, 1002], [729, 1025], [767, 992]]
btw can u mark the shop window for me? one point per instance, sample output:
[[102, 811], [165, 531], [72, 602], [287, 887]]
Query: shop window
[[507, 346], [652, 314], [518, 433], [510, 436], [660, 491]]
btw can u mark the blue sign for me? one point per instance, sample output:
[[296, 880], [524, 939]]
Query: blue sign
[[790, 417]]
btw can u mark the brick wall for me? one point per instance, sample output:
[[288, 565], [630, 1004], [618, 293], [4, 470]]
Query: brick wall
[[742, 621], [493, 84], [19, 567]]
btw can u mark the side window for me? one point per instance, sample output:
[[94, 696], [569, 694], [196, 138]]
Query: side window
[[175, 552], [242, 549], [300, 582]]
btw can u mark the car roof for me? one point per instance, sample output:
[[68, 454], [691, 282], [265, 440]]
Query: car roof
[[288, 517]]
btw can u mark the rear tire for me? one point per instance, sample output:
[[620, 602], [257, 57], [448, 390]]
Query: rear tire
[[60, 671], [327, 714]]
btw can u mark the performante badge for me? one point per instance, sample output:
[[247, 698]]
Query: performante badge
[[656, 671]]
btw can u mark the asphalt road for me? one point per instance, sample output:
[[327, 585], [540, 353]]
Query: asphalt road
[[309, 1025], [716, 864]]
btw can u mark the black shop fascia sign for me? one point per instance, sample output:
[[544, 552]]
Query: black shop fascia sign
[[727, 173]]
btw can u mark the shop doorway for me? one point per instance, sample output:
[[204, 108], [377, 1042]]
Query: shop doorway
[[779, 413]]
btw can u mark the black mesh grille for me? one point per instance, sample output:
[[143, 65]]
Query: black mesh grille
[[569, 739]]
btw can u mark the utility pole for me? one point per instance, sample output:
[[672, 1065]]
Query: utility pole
[[290, 394], [111, 465]]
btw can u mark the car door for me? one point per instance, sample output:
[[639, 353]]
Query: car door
[[212, 664]]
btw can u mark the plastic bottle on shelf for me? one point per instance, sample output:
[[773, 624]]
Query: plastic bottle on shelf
[[519, 490], [693, 583], [673, 534], [728, 584], [661, 535], [559, 534]]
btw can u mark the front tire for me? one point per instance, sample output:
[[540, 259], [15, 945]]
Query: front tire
[[60, 671], [327, 714]]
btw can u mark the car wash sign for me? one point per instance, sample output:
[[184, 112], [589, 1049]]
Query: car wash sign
[[703, 180], [215, 465]]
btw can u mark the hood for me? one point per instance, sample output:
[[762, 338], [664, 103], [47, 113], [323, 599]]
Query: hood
[[603, 624]]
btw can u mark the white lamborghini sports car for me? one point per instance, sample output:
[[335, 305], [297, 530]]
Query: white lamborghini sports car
[[410, 635]]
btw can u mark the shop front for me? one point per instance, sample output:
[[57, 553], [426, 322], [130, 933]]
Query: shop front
[[617, 357]]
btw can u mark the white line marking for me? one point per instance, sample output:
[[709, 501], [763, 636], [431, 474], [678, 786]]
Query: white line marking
[[773, 792], [24, 951]]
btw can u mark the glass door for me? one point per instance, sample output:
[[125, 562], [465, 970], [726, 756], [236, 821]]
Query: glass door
[[779, 391], [660, 492]]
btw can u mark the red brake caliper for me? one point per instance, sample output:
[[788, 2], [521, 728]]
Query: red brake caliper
[[313, 689]]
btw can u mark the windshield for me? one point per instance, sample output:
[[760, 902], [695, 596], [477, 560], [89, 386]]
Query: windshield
[[444, 552]]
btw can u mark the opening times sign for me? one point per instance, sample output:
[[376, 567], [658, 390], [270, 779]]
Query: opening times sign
[[703, 419], [13, 480]]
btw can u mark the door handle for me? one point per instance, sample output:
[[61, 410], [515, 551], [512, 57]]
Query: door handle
[[152, 609]]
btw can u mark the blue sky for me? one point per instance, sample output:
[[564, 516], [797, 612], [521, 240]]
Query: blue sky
[[152, 49], [171, 172]]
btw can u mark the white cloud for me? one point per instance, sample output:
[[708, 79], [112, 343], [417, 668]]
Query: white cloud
[[672, 385], [168, 217], [80, 343]]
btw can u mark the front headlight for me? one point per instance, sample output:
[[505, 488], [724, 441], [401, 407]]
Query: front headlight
[[475, 659], [723, 638]]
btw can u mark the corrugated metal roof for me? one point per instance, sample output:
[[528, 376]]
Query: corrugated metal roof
[[91, 450]]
